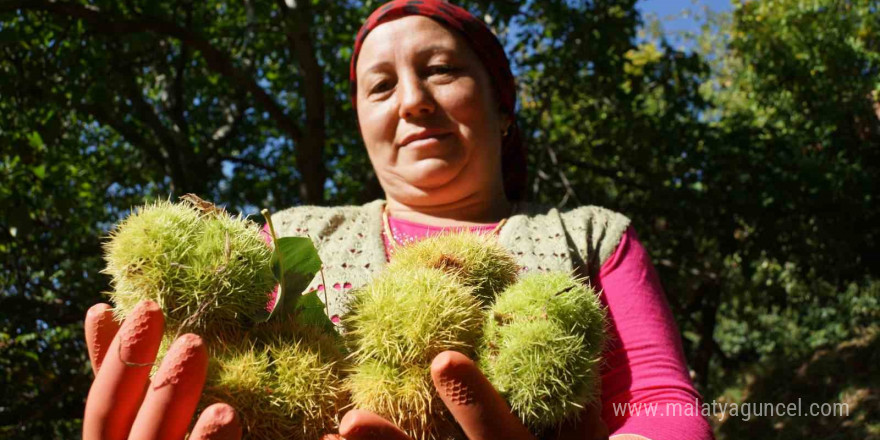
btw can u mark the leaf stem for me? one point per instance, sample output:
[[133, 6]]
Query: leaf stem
[[281, 289], [324, 281]]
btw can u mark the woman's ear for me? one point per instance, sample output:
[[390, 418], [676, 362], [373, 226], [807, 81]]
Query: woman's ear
[[506, 122]]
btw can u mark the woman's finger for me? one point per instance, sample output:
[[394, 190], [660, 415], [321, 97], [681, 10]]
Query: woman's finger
[[100, 329], [174, 391], [363, 425], [120, 385], [217, 422], [479, 409]]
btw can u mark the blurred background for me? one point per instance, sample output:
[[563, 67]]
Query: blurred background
[[742, 138]]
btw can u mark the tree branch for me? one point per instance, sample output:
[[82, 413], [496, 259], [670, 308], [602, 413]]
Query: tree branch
[[607, 173], [234, 115], [569, 191], [310, 151], [246, 161], [108, 117], [216, 59], [178, 151], [177, 87]]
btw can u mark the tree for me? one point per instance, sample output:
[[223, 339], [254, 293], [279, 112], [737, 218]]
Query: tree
[[794, 113]]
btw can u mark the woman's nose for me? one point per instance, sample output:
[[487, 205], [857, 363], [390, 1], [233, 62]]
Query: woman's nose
[[415, 99]]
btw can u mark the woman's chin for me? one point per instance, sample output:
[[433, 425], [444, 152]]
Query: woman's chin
[[432, 173]]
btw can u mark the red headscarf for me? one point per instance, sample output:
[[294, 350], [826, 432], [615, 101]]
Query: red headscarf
[[487, 47]]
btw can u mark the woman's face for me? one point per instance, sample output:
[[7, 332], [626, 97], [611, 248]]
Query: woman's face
[[427, 113]]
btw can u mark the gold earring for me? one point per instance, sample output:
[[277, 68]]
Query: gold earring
[[504, 133]]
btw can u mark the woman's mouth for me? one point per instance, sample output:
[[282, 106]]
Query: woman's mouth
[[428, 141], [423, 139]]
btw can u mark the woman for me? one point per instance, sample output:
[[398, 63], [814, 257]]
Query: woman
[[435, 102]]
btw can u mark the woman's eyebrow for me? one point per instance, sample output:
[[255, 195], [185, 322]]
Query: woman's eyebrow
[[381, 65], [424, 51], [435, 48]]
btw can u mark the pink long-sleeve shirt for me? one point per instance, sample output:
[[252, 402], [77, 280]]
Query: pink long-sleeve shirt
[[646, 389]]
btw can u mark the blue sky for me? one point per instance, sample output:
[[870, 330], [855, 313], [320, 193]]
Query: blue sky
[[669, 8], [670, 13]]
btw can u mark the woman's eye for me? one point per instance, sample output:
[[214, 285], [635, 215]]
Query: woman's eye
[[380, 87], [441, 69]]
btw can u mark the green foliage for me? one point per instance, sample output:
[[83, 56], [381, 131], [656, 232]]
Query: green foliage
[[796, 124], [294, 263], [815, 314], [848, 363], [311, 311]]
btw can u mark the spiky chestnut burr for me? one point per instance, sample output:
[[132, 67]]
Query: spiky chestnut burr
[[542, 343], [477, 261], [209, 271], [284, 380], [397, 324], [211, 274]]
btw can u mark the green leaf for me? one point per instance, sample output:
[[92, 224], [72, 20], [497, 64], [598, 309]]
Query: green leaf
[[35, 140], [294, 263], [39, 171], [310, 311]]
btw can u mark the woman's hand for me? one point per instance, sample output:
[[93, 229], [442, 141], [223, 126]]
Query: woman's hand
[[124, 403], [476, 405]]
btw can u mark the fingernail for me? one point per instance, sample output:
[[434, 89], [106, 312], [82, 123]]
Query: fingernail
[[217, 422], [99, 312], [222, 414], [186, 355], [141, 333], [100, 328]]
